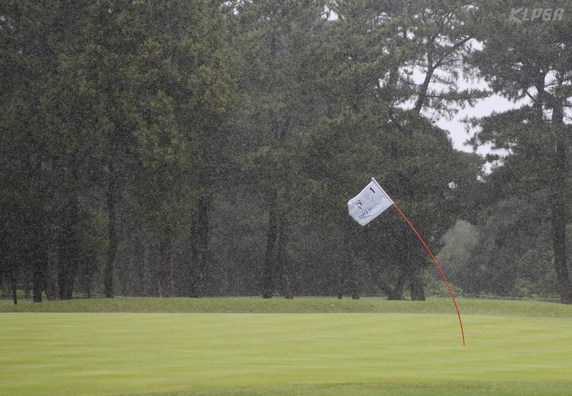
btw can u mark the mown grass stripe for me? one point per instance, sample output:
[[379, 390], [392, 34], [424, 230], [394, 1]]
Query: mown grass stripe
[[517, 348]]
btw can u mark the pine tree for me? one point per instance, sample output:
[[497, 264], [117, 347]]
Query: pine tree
[[530, 59]]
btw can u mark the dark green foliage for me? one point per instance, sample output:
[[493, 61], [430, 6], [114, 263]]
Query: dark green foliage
[[196, 148], [530, 59]]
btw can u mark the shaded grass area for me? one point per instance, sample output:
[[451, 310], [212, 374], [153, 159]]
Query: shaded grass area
[[127, 346], [297, 305], [391, 389]]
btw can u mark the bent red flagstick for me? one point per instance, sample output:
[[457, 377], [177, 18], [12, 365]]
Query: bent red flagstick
[[370, 203], [438, 267]]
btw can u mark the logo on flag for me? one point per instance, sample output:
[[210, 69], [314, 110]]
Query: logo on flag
[[369, 203]]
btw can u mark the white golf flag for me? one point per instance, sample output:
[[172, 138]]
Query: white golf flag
[[369, 203]]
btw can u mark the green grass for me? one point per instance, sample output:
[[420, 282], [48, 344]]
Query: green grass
[[315, 346], [433, 305]]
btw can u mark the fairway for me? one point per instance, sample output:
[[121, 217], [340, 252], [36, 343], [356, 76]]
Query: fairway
[[362, 353]]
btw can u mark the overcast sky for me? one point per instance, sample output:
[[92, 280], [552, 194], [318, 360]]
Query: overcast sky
[[496, 103], [458, 130]]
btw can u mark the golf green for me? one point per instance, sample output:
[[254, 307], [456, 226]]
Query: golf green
[[301, 353]]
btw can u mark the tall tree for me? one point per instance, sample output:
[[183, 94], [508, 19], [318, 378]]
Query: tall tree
[[48, 152], [512, 255], [278, 40], [156, 80], [101, 77], [531, 59], [377, 45]]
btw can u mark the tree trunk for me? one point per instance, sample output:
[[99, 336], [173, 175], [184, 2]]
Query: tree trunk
[[165, 267], [6, 288], [271, 237], [416, 283], [52, 262], [559, 215], [559, 247], [282, 259], [397, 292], [140, 260], [393, 293], [345, 261], [14, 285], [38, 281], [111, 228], [69, 250], [199, 247], [425, 86], [347, 270], [354, 284], [341, 266]]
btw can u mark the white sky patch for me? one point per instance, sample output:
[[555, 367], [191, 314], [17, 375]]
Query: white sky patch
[[460, 131]]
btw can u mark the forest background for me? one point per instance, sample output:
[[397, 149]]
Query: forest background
[[203, 148]]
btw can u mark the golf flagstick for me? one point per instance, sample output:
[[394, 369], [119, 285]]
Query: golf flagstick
[[437, 265], [370, 203]]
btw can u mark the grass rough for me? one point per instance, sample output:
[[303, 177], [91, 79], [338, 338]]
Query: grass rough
[[297, 305]]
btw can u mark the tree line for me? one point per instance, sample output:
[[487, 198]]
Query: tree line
[[200, 148]]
